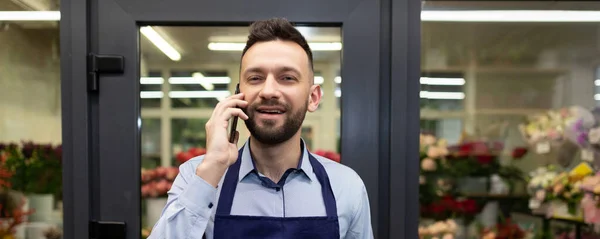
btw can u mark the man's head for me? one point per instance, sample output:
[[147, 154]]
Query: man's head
[[277, 79]]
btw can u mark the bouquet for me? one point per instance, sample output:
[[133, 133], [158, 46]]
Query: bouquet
[[193, 152], [440, 229], [546, 127], [15, 215], [474, 158], [32, 168], [589, 203], [504, 230], [540, 181], [451, 207], [157, 182]]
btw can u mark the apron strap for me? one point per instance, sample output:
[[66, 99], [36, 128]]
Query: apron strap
[[229, 186], [231, 180], [328, 197]]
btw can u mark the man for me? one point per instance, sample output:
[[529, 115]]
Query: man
[[272, 187]]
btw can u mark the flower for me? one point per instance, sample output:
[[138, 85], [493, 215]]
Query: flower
[[428, 165], [429, 140], [183, 157], [519, 152], [594, 135]]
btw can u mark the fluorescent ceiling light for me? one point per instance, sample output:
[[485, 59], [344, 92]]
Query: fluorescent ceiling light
[[442, 95], [510, 16], [206, 85], [29, 15], [337, 79], [198, 80], [151, 94], [232, 46], [325, 46], [199, 94], [319, 80], [152, 80], [597, 97], [597, 82], [160, 43], [442, 81], [338, 92]]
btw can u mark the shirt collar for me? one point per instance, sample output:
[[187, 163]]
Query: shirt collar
[[247, 165]]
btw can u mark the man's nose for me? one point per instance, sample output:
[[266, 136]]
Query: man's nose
[[270, 88]]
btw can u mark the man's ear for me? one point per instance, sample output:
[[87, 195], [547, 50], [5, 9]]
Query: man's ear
[[314, 98]]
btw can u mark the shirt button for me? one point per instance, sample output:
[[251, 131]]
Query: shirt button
[[277, 189], [210, 205]]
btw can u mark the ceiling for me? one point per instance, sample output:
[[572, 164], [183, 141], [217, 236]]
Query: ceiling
[[192, 44], [519, 43]]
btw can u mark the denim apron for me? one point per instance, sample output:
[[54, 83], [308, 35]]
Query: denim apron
[[234, 226]]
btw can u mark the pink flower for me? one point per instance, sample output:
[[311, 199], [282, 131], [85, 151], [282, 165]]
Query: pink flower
[[428, 164]]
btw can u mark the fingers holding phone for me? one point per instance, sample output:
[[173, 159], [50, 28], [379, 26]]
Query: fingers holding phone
[[220, 144]]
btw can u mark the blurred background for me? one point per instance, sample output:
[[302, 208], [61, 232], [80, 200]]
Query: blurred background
[[508, 117]]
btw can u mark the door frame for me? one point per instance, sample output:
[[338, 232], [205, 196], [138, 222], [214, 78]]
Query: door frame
[[378, 151]]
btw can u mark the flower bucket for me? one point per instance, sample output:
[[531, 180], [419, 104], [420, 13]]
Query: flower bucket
[[43, 206], [473, 185], [560, 210], [154, 207]]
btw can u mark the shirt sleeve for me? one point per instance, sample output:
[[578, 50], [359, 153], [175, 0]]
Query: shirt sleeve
[[360, 227], [189, 206]]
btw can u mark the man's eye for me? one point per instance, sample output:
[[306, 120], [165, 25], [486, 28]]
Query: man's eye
[[286, 78], [254, 78]]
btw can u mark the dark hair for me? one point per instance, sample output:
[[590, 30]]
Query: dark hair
[[277, 29]]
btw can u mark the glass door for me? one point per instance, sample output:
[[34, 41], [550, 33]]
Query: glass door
[[160, 69]]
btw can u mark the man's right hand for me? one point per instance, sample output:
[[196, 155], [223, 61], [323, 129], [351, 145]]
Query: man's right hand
[[220, 153]]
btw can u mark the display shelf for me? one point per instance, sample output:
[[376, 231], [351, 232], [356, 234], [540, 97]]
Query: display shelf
[[579, 225]]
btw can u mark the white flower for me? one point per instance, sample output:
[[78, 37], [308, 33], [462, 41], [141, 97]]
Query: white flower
[[594, 135]]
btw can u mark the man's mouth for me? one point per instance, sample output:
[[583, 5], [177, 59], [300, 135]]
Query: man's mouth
[[270, 110]]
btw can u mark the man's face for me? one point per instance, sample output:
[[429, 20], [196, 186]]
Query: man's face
[[276, 81]]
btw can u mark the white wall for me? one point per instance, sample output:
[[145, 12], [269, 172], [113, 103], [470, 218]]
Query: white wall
[[30, 106]]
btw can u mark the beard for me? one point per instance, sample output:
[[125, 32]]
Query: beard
[[269, 133]]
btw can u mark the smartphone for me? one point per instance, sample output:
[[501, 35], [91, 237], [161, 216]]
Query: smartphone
[[235, 119]]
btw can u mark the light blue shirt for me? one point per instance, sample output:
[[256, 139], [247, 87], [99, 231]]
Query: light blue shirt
[[192, 202]]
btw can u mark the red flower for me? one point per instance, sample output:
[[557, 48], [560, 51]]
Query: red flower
[[329, 154], [485, 158], [519, 152]]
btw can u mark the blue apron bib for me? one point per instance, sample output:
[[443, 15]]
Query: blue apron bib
[[233, 226]]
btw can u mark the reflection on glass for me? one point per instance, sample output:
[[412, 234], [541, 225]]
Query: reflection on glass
[[496, 87], [185, 78]]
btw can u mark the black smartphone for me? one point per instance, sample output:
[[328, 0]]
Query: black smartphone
[[235, 119]]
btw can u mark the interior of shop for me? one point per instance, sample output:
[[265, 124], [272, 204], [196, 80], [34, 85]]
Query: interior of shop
[[509, 145]]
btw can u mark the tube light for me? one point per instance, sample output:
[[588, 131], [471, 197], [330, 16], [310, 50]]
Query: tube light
[[151, 94], [442, 81], [597, 82], [319, 80], [232, 46], [198, 80], [199, 94], [337, 79], [510, 16], [426, 15], [152, 80], [597, 97], [207, 85], [160, 43], [29, 15], [442, 95]]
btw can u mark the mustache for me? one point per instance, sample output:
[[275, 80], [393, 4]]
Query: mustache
[[270, 103]]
